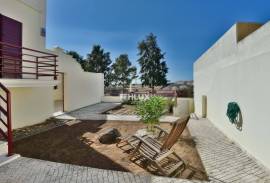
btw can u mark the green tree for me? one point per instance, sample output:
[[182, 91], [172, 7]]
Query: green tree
[[153, 66], [99, 61], [77, 57], [123, 72]]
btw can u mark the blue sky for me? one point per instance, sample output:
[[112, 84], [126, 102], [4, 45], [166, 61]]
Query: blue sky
[[184, 28]]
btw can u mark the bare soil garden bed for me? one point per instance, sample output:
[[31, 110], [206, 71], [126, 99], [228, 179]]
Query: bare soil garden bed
[[75, 142]]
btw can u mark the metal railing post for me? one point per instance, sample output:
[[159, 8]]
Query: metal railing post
[[37, 68], [55, 71], [9, 130]]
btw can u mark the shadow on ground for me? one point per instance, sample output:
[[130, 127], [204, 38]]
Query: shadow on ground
[[76, 143], [66, 144]]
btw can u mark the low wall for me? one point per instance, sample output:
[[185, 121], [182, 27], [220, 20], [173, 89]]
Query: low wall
[[31, 105], [184, 107], [111, 99]]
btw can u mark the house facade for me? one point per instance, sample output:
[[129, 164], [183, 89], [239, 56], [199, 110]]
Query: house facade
[[41, 81], [236, 69]]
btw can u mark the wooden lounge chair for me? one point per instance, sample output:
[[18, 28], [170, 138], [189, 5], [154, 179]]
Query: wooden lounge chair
[[160, 155]]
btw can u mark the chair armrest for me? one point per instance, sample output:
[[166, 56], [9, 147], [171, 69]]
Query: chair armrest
[[161, 133], [160, 129], [149, 145]]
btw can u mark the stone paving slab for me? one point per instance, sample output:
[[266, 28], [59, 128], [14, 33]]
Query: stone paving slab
[[94, 109], [27, 170], [225, 161]]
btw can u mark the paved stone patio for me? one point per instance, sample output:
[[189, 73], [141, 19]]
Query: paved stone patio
[[27, 170], [225, 161]]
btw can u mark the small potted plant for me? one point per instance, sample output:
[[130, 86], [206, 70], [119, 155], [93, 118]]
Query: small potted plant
[[150, 110]]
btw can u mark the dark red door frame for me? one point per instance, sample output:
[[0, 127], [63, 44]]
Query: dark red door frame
[[11, 33]]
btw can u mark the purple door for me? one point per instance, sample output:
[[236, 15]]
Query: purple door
[[11, 56]]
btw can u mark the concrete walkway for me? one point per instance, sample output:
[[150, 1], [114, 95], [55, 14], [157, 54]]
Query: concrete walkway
[[98, 108], [27, 170], [225, 161]]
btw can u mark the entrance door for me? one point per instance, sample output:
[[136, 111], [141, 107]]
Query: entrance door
[[10, 55]]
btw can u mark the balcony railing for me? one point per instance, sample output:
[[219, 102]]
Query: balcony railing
[[25, 63]]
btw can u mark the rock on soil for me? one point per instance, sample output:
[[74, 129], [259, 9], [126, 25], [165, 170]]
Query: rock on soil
[[109, 136]]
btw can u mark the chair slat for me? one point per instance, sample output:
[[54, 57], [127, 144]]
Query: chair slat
[[175, 133]]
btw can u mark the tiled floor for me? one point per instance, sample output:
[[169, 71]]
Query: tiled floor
[[224, 160], [26, 170]]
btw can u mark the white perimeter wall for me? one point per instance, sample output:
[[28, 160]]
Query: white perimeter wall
[[31, 105], [238, 72], [80, 88], [184, 107]]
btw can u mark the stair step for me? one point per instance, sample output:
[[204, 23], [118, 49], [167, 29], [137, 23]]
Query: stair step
[[3, 141], [4, 159], [173, 170]]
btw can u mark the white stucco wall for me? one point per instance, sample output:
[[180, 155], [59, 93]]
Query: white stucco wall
[[58, 92], [81, 88], [31, 105], [32, 15], [116, 99], [185, 106], [238, 72]]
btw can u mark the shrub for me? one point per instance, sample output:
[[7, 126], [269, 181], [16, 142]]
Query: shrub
[[151, 110]]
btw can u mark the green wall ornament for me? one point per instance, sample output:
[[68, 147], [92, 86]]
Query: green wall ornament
[[233, 111]]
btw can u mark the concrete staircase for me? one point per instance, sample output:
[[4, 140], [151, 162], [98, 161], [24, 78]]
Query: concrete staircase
[[4, 159]]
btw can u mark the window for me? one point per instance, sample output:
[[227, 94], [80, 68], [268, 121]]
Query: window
[[43, 32]]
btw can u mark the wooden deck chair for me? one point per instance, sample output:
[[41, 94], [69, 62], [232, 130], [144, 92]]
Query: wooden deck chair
[[133, 141], [160, 155]]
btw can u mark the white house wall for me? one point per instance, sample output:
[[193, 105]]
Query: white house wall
[[238, 72], [80, 88], [31, 18], [31, 105], [35, 103]]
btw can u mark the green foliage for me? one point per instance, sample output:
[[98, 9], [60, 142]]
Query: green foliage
[[151, 110], [99, 61], [129, 102], [123, 72], [153, 66]]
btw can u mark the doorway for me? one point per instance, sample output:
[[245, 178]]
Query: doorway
[[10, 47], [59, 94]]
